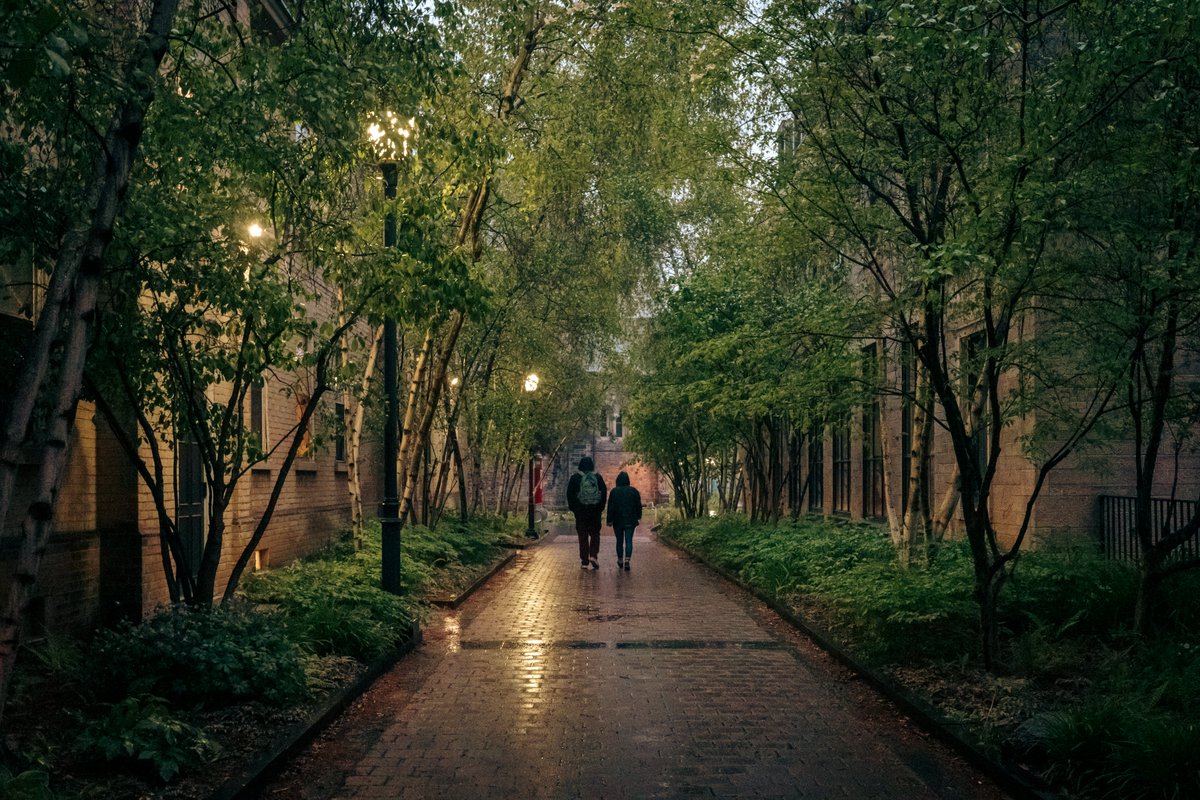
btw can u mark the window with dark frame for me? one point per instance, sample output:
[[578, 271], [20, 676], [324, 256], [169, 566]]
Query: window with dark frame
[[841, 466], [872, 443], [339, 431], [816, 468], [974, 348], [258, 414], [794, 485]]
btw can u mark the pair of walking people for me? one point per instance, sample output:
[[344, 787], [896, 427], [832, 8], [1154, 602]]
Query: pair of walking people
[[588, 497]]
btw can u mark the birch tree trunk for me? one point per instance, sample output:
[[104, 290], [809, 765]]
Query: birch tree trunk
[[354, 441], [74, 292], [424, 394]]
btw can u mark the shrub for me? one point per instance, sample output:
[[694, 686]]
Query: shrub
[[888, 613], [57, 660], [1069, 586], [333, 605], [1113, 747], [28, 785], [905, 615], [142, 729], [206, 657], [1179, 599]]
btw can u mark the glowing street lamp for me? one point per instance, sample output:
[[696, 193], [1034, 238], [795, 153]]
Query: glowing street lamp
[[390, 138], [530, 386]]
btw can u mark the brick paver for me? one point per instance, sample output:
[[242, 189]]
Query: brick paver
[[660, 682]]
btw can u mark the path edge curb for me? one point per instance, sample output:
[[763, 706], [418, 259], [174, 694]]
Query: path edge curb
[[281, 751], [1019, 783], [455, 602], [285, 747]]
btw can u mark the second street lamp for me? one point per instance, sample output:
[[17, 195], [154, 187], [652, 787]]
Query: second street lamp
[[531, 385]]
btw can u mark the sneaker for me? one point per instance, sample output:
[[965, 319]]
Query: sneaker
[[627, 565], [595, 564], [584, 565]]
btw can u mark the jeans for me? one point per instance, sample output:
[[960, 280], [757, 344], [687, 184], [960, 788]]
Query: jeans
[[624, 541]]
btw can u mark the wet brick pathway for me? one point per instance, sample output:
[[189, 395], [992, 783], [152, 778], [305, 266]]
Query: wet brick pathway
[[662, 682]]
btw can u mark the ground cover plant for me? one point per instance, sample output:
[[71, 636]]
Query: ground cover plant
[[136, 710], [1083, 701]]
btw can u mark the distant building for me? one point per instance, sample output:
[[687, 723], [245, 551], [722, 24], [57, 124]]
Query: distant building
[[605, 444]]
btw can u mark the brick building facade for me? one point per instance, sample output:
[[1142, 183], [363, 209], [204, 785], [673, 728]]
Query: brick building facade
[[840, 470], [104, 560]]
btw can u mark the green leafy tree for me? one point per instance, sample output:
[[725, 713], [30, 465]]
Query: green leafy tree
[[1130, 311], [935, 142], [199, 311], [92, 143]]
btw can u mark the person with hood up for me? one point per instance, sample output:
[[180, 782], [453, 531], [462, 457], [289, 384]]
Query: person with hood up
[[624, 513], [586, 494]]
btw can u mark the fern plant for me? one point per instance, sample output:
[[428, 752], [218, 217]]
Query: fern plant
[[142, 729]]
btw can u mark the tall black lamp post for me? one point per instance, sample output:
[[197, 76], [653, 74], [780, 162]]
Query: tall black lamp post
[[531, 384], [389, 508], [389, 148]]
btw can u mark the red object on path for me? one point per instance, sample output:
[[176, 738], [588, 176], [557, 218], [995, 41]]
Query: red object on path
[[537, 481]]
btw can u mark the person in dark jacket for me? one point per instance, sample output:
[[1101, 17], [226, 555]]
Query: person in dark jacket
[[624, 513], [586, 494]]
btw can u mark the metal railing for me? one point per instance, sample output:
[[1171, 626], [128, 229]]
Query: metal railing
[[1118, 518]]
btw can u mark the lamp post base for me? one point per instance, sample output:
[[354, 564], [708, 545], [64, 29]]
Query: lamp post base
[[530, 530], [390, 545]]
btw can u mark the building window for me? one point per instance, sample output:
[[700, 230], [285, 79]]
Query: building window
[[872, 463], [816, 469], [306, 448], [795, 449], [339, 431], [258, 413], [841, 467], [974, 351], [190, 506], [872, 475], [21, 289], [620, 429]]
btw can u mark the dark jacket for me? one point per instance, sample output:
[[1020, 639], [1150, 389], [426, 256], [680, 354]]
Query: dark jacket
[[624, 504], [573, 496]]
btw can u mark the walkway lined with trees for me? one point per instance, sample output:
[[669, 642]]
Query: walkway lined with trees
[[664, 681], [932, 266]]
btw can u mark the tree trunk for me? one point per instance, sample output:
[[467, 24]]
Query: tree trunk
[[354, 441], [78, 270], [285, 469], [912, 530], [466, 238], [987, 594]]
